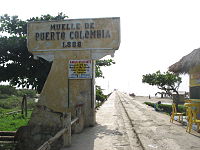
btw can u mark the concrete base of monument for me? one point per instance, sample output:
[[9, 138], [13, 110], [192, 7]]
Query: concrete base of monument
[[43, 125], [61, 95], [84, 121], [92, 118], [79, 125]]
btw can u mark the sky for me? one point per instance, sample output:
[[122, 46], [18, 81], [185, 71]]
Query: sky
[[154, 34]]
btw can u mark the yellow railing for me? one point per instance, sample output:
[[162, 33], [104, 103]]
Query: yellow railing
[[192, 111]]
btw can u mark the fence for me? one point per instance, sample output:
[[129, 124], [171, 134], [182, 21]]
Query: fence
[[24, 108], [65, 132]]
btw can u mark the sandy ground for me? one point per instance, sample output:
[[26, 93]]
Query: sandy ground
[[144, 129]]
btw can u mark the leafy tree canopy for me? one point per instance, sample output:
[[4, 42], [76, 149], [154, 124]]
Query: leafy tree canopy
[[167, 81], [99, 94], [100, 63], [16, 64]]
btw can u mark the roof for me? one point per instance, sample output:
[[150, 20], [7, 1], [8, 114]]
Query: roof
[[186, 63]]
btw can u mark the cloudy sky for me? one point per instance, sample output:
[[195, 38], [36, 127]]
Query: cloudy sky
[[154, 34]]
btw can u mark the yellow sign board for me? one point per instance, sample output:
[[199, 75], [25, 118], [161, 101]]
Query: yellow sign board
[[74, 34], [80, 69]]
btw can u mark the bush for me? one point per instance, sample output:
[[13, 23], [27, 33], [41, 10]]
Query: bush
[[10, 102], [27, 92], [4, 96], [99, 94], [31, 103], [14, 102], [149, 104], [167, 108], [7, 89]]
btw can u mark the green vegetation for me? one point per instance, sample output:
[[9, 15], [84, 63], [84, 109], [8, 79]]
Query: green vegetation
[[167, 108], [10, 101], [167, 82], [29, 93], [13, 121], [13, 100], [7, 90], [99, 94], [13, 103], [102, 63], [100, 97]]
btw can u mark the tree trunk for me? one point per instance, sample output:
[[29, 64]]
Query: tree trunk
[[176, 101]]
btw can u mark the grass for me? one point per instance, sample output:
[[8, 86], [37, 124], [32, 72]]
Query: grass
[[12, 102], [14, 121], [3, 110]]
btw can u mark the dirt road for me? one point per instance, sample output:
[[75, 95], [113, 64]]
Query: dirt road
[[137, 127]]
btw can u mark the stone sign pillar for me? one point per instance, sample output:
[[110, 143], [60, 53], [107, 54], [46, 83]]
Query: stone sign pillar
[[69, 91]]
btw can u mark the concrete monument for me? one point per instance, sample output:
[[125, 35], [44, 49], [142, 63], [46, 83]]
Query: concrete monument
[[73, 45]]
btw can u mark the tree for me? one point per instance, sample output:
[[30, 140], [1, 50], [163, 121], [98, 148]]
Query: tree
[[17, 64], [99, 64], [99, 94], [167, 82]]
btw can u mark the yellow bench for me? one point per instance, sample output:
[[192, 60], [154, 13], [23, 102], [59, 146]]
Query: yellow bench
[[175, 113]]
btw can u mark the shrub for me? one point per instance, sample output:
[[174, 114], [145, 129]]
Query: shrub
[[28, 92], [149, 104], [99, 94], [7, 89], [31, 103], [10, 102], [167, 108], [4, 96], [14, 102]]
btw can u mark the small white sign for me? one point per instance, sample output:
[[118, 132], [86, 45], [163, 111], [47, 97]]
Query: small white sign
[[80, 69]]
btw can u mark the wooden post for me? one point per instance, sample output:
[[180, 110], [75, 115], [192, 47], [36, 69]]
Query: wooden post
[[80, 123], [67, 134], [25, 103], [22, 105]]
